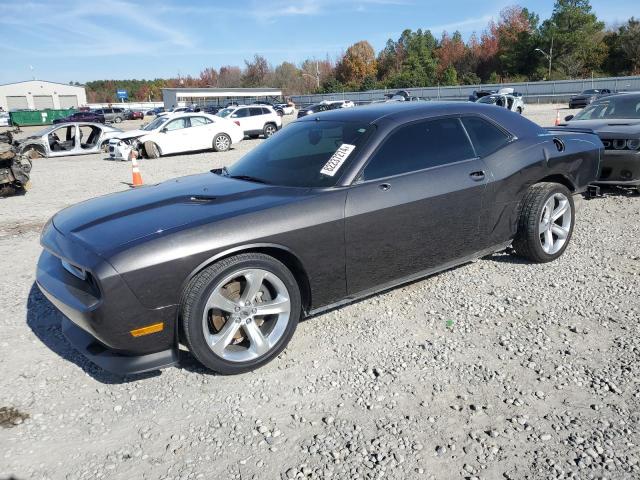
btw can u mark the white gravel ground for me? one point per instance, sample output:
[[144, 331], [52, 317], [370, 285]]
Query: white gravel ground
[[497, 369]]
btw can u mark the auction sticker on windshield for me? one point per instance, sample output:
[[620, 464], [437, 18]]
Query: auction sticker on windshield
[[337, 159]]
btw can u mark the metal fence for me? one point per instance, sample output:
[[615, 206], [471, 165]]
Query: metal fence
[[534, 92]]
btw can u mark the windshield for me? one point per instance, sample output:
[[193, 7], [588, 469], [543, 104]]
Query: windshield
[[295, 156], [226, 112], [488, 99], [590, 92], [611, 107], [155, 124]]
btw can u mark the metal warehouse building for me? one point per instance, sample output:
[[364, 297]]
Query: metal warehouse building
[[39, 95], [174, 97]]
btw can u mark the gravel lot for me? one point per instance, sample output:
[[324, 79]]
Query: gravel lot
[[496, 369]]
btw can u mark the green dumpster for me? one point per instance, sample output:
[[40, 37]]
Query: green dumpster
[[37, 117]]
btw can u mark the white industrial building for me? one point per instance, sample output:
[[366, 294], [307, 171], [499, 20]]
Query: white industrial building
[[40, 94], [174, 97]]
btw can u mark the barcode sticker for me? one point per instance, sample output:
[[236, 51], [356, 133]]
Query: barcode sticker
[[337, 159]]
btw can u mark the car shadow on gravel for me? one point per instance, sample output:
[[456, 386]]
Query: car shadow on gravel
[[45, 322]]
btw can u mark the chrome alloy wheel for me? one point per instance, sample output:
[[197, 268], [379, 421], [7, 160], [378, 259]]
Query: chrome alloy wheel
[[269, 130], [222, 143], [246, 315], [555, 223]]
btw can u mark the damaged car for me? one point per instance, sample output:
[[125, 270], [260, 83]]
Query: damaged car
[[15, 167], [177, 133], [332, 209], [68, 139], [616, 120], [505, 98]]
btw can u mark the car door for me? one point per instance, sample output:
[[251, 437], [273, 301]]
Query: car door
[[415, 206], [241, 117], [257, 119], [174, 136], [201, 132]]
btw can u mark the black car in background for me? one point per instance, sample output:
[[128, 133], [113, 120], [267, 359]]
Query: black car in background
[[82, 116], [616, 120], [477, 94], [587, 96], [317, 108], [332, 209]]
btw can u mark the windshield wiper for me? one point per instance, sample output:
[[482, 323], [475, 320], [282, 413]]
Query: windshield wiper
[[248, 178], [225, 173]]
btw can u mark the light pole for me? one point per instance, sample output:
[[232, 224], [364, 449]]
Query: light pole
[[548, 56]]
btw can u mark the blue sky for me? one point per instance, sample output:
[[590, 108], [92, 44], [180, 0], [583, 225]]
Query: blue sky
[[82, 40]]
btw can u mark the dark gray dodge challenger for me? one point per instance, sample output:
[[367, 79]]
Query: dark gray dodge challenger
[[616, 120], [335, 207]]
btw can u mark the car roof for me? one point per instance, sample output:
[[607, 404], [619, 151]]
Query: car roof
[[401, 112]]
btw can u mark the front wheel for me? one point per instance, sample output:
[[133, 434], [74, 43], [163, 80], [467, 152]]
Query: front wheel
[[152, 150], [546, 222], [240, 313], [221, 142], [117, 119]]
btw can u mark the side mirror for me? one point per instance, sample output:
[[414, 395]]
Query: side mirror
[[568, 118], [164, 130]]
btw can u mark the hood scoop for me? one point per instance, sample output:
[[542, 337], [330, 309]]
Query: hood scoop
[[202, 199]]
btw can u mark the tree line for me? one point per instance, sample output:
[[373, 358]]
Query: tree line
[[515, 47]]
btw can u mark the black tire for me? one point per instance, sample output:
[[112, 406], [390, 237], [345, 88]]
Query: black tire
[[151, 150], [527, 242], [269, 129], [221, 142], [200, 288], [520, 110]]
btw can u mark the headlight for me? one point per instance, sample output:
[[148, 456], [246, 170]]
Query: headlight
[[633, 144]]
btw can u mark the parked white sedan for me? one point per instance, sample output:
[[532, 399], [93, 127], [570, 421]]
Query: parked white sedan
[[178, 133]]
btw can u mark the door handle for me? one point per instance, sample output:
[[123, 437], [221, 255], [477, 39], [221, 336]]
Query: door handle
[[384, 187], [477, 176]]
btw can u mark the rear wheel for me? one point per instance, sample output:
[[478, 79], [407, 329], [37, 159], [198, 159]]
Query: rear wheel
[[221, 142], [240, 313], [269, 130], [546, 222], [152, 150]]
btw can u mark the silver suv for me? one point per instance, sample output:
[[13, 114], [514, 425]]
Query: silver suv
[[112, 115]]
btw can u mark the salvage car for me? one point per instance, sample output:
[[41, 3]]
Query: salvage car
[[177, 133], [587, 96], [334, 208], [77, 138], [505, 98], [616, 120]]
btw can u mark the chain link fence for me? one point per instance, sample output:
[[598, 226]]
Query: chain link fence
[[534, 92]]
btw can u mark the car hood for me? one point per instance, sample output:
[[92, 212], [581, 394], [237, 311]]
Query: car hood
[[110, 223], [134, 134], [611, 126]]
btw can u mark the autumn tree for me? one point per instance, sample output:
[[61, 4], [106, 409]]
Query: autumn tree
[[358, 63], [209, 77], [229, 77], [256, 72]]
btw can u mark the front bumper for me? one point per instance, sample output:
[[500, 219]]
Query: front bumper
[[102, 311], [620, 167]]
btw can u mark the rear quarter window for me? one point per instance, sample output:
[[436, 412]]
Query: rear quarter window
[[486, 137]]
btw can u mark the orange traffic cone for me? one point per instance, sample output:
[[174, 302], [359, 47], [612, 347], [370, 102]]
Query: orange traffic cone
[[557, 117], [135, 171]]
